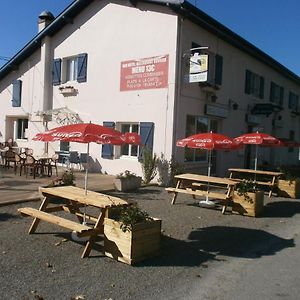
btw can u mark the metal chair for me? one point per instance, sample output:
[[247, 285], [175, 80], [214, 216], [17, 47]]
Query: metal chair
[[74, 158], [31, 165], [9, 158]]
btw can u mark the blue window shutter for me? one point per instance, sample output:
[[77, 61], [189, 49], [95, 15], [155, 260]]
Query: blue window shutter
[[17, 93], [82, 67], [219, 69], [107, 149], [147, 134], [261, 87], [248, 82], [56, 71], [272, 91], [281, 96]]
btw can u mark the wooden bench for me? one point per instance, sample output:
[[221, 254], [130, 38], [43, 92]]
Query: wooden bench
[[81, 229], [267, 183], [199, 193], [189, 184], [73, 199], [258, 176]]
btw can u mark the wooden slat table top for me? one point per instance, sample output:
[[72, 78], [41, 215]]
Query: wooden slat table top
[[255, 172], [204, 178], [78, 195]]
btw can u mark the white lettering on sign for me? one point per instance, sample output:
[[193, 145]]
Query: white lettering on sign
[[145, 73]]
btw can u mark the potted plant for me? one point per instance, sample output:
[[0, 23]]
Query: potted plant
[[247, 200], [289, 185], [130, 234], [67, 90], [127, 181]]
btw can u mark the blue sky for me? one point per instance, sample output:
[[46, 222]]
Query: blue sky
[[274, 28]]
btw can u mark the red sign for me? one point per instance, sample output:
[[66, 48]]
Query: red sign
[[145, 73]]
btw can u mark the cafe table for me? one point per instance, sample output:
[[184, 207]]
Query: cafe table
[[260, 178], [75, 201], [211, 187]]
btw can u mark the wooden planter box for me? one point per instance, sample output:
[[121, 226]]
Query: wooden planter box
[[127, 184], [289, 188], [252, 207], [142, 242]]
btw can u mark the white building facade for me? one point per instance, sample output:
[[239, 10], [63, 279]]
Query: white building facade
[[125, 64]]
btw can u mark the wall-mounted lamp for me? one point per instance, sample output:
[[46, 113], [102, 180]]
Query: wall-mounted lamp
[[232, 104]]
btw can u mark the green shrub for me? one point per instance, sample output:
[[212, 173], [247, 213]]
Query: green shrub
[[149, 165]]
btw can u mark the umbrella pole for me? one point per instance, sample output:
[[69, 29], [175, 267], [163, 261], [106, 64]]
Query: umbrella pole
[[255, 161], [208, 173], [86, 171]]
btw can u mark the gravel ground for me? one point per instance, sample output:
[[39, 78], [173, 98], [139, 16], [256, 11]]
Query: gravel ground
[[196, 243]]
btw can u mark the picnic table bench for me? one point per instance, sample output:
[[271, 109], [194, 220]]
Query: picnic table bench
[[190, 184], [73, 198], [263, 178]]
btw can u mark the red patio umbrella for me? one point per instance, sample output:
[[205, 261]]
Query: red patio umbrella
[[258, 139], [208, 141], [87, 133], [288, 143]]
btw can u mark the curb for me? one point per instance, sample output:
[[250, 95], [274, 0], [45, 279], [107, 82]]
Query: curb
[[16, 201]]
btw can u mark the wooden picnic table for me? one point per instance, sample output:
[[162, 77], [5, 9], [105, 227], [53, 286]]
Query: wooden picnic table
[[190, 184], [263, 178], [73, 199]]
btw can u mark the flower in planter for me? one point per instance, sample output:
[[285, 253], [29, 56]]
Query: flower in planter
[[126, 174], [244, 187], [61, 88], [128, 216]]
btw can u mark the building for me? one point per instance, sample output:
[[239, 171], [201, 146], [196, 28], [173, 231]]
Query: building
[[127, 65]]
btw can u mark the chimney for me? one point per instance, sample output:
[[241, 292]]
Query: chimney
[[45, 18]]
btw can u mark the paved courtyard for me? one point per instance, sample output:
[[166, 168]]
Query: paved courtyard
[[201, 250]]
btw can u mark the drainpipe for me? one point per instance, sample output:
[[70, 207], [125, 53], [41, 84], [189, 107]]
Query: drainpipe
[[178, 85], [45, 18]]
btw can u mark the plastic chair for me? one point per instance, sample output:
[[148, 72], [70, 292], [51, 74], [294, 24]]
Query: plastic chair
[[74, 158], [53, 164]]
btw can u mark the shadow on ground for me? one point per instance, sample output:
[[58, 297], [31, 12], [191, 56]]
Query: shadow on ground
[[6, 216], [281, 209], [206, 244], [145, 193]]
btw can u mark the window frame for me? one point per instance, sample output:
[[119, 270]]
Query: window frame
[[73, 60], [293, 102], [254, 84], [276, 94], [129, 146], [212, 124], [20, 129]]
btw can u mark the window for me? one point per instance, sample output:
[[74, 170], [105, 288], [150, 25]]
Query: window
[[293, 101], [17, 93], [21, 126], [126, 149], [254, 84], [276, 94], [194, 125], [71, 65], [73, 68], [64, 146]]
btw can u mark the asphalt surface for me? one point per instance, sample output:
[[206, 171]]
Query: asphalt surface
[[205, 255], [15, 188]]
